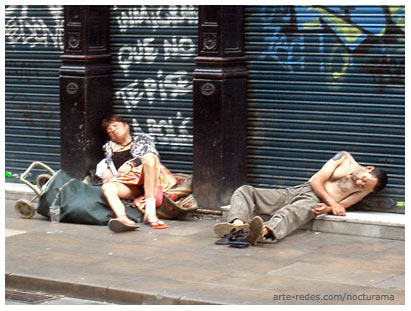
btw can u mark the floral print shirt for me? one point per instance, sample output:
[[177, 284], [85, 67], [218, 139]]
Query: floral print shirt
[[141, 145]]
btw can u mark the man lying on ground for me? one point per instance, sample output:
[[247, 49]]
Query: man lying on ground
[[339, 184]]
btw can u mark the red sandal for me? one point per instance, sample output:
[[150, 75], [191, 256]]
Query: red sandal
[[155, 224]]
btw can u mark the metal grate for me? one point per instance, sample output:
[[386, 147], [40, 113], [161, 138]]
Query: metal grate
[[34, 42], [307, 99], [29, 297], [153, 49]]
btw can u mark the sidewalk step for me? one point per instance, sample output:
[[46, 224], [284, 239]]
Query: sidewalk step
[[367, 224], [359, 223], [15, 191]]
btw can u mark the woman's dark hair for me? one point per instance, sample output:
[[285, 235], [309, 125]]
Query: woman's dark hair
[[106, 122], [381, 175]]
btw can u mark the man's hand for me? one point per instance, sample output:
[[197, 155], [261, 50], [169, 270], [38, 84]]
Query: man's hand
[[337, 209], [321, 209]]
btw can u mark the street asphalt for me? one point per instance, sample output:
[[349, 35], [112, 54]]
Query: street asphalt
[[182, 265]]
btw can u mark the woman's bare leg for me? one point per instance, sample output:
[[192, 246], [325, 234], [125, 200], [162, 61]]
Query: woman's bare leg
[[151, 169], [114, 192]]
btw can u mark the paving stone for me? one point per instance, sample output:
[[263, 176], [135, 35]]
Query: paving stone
[[182, 265]]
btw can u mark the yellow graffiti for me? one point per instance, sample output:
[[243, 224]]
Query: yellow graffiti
[[346, 30], [338, 74], [394, 9], [349, 32], [350, 35], [315, 24], [397, 16]]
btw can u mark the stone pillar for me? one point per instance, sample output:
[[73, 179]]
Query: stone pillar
[[85, 86], [220, 106]]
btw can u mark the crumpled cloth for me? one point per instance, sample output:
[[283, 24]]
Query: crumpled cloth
[[174, 192]]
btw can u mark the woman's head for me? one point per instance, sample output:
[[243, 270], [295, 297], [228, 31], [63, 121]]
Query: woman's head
[[116, 128]]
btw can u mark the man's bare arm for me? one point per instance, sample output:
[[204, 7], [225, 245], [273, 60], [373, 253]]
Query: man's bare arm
[[354, 198], [323, 175], [347, 202]]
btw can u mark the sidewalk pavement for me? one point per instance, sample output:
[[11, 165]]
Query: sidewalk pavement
[[182, 265]]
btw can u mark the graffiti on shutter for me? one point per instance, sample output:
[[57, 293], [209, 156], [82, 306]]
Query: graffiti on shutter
[[33, 45], [24, 28], [324, 79], [286, 44], [153, 51]]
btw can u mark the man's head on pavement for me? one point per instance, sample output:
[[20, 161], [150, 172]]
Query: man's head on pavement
[[382, 178], [371, 179]]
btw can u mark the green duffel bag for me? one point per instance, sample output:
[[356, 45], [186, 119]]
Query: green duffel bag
[[79, 203]]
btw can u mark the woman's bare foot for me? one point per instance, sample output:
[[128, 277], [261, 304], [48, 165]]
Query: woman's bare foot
[[126, 220]]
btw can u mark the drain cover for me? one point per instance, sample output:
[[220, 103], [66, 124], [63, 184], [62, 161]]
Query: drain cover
[[29, 297]]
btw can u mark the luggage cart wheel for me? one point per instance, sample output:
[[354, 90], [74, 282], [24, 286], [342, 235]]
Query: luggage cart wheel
[[42, 180], [25, 208]]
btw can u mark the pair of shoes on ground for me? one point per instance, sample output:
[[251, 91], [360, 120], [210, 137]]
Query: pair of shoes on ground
[[124, 224], [235, 238], [255, 230]]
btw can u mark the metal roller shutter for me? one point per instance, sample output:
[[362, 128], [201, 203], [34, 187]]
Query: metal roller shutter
[[153, 50], [325, 79], [33, 45]]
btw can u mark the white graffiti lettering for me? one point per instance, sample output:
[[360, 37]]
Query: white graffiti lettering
[[141, 52], [170, 131], [156, 87], [144, 51], [161, 16], [178, 47], [162, 88], [33, 31]]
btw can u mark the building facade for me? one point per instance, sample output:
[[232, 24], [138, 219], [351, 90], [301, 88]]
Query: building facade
[[262, 95]]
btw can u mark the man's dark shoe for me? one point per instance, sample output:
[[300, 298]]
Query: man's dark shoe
[[256, 231], [233, 236], [239, 244], [224, 228]]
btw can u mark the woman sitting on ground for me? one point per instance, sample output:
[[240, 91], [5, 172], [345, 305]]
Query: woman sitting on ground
[[131, 167]]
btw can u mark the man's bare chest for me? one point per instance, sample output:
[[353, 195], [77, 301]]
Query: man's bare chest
[[340, 188], [341, 185], [344, 184]]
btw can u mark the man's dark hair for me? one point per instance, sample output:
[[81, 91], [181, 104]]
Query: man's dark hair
[[106, 122], [381, 175]]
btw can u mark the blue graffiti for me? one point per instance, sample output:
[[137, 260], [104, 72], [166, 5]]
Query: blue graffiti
[[339, 36]]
